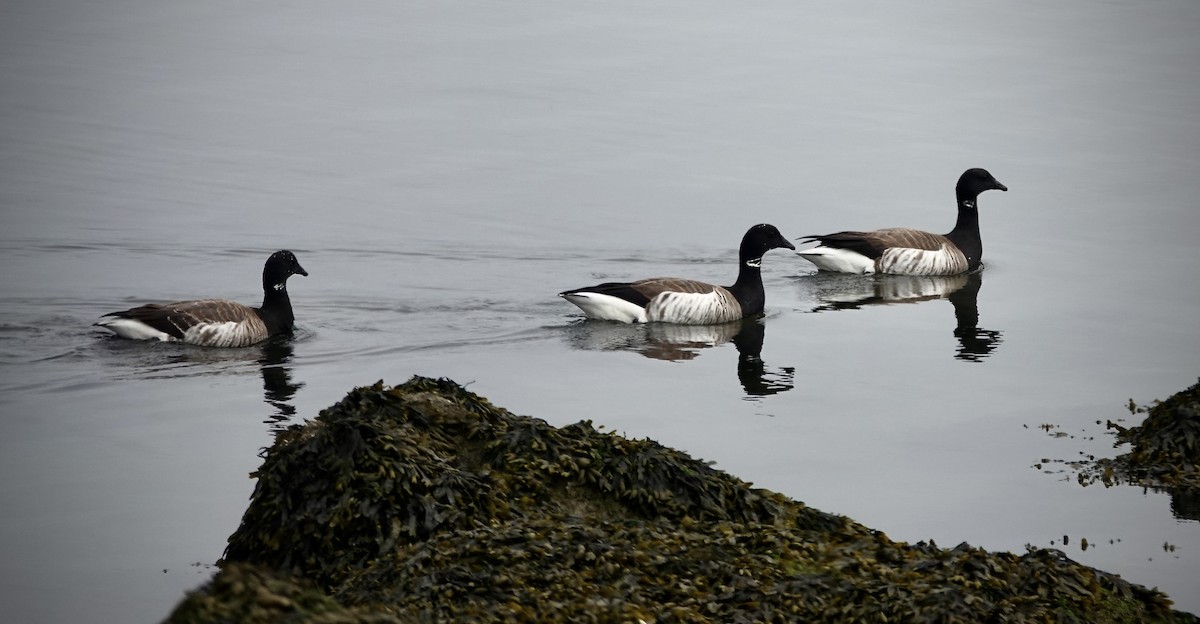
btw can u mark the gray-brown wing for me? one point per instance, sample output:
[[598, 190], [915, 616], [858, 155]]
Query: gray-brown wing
[[651, 288], [873, 244], [907, 238]]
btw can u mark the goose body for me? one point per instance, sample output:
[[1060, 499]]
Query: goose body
[[906, 251], [215, 322], [685, 301]]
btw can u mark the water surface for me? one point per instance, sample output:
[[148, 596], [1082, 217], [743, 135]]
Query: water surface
[[442, 170]]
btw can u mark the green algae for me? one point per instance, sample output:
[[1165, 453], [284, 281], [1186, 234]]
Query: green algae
[[426, 503]]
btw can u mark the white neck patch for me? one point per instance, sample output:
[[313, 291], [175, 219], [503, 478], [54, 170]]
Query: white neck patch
[[280, 286], [969, 203], [755, 263]]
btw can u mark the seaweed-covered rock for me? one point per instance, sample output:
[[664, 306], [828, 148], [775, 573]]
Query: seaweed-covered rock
[[246, 594], [391, 466], [425, 503], [1165, 448]]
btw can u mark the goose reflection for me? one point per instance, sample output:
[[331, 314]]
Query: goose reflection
[[757, 380], [673, 342], [155, 361], [853, 292], [278, 387]]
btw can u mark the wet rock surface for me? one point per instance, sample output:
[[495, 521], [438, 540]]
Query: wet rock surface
[[425, 503]]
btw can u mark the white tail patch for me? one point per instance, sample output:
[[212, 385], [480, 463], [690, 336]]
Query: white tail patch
[[133, 330], [838, 260], [607, 307]]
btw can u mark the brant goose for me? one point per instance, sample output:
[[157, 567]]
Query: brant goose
[[674, 300], [905, 251], [215, 322]]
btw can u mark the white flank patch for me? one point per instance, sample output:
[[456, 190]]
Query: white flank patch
[[694, 308], [133, 330], [607, 307], [227, 334], [838, 260], [905, 261]]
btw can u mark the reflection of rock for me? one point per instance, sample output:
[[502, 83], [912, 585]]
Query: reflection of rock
[[673, 342], [278, 387], [1185, 504], [851, 292]]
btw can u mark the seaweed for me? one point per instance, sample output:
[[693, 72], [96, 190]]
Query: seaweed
[[248, 594]]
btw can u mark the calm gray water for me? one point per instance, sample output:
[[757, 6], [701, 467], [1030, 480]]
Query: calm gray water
[[443, 169]]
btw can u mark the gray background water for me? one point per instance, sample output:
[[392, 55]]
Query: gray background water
[[443, 169]]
